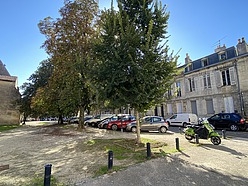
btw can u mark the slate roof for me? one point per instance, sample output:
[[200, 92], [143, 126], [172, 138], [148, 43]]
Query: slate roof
[[3, 70], [212, 59]]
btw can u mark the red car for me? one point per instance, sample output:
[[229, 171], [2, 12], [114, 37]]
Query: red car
[[121, 123]]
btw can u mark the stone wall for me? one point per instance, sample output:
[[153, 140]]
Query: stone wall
[[9, 95]]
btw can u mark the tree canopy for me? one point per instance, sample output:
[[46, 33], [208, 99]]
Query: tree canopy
[[136, 67], [69, 45]]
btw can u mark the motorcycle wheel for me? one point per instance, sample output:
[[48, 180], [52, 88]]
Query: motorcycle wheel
[[216, 140], [188, 137]]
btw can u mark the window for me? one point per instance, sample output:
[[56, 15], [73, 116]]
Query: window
[[173, 117], [229, 104], [222, 56], [156, 119], [204, 62], [216, 117], [226, 77], [178, 89], [169, 93], [206, 81], [225, 116], [191, 84], [210, 106], [190, 67], [169, 108], [179, 107]]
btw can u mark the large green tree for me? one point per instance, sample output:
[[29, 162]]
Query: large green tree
[[136, 67], [38, 80], [69, 44]]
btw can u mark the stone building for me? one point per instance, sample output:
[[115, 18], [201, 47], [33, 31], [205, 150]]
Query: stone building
[[212, 84], [9, 95]]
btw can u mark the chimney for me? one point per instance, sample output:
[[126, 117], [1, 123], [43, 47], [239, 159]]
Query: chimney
[[219, 48], [242, 46], [187, 59]]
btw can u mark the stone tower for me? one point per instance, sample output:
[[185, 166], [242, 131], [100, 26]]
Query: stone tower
[[9, 96]]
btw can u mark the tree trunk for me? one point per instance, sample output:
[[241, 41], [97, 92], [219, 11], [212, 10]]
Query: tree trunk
[[138, 140], [24, 119], [60, 121], [81, 118]]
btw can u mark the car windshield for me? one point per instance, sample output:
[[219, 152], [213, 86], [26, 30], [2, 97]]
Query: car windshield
[[97, 117], [216, 117], [173, 117], [114, 118]]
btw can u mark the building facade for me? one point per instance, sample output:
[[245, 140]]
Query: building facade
[[212, 84], [9, 96]]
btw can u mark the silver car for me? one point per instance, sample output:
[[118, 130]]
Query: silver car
[[149, 123]]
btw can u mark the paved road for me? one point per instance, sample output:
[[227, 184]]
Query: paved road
[[169, 171]]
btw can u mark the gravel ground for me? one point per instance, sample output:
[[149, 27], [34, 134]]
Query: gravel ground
[[28, 149]]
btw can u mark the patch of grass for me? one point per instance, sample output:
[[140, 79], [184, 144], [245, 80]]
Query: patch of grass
[[125, 151], [8, 127], [39, 181], [104, 170]]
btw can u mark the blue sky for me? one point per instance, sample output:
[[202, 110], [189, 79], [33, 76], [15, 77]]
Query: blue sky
[[195, 27]]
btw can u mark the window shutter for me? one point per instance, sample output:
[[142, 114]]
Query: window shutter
[[211, 78], [218, 78], [201, 84], [232, 75], [196, 83], [186, 84]]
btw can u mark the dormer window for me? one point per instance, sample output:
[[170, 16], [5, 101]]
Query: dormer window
[[204, 62], [190, 67], [222, 56]]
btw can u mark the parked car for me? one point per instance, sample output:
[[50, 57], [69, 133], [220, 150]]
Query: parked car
[[149, 123], [104, 123], [121, 123], [232, 121], [97, 119], [75, 119], [183, 119]]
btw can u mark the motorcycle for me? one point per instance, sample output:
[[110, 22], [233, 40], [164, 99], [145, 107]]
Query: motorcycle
[[204, 131]]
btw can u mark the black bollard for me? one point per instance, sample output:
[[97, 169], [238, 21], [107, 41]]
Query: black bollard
[[110, 159], [47, 177], [196, 139], [224, 134], [148, 150], [177, 144]]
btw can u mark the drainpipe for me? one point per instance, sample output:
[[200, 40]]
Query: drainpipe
[[240, 94]]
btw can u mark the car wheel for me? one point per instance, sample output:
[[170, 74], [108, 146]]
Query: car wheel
[[134, 129], [114, 127], [234, 127], [93, 124], [105, 126], [163, 129], [216, 140]]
